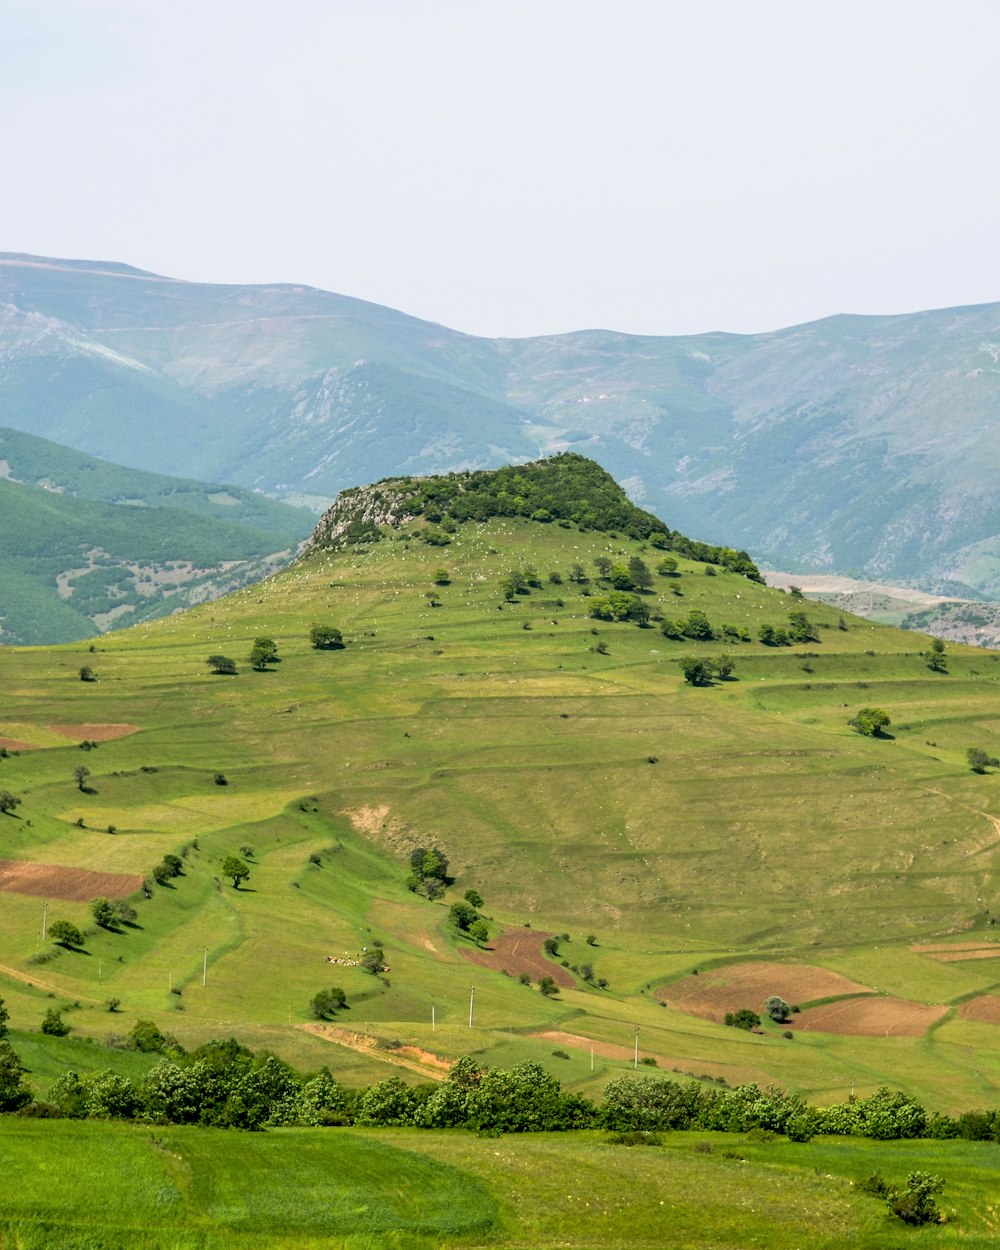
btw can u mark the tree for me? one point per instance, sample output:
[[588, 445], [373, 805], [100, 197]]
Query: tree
[[870, 722], [777, 1009], [80, 775], [935, 657], [479, 931], [743, 1019], [236, 869], [326, 638], [175, 864], [326, 1002], [65, 933], [724, 666], [463, 916], [603, 566], [268, 646], [639, 572], [146, 1037], [87, 673], [551, 947], [667, 567], [8, 802], [474, 898], [53, 1024], [4, 1017], [441, 577], [696, 672], [162, 874], [547, 987], [979, 761], [125, 913], [222, 665], [104, 913], [621, 578], [260, 658], [12, 1092], [698, 626]]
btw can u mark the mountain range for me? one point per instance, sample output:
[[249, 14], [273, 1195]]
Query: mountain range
[[863, 445]]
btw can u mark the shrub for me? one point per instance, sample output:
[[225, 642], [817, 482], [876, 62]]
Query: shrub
[[53, 1024]]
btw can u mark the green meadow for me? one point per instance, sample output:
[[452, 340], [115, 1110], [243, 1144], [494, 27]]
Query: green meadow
[[79, 1186], [581, 791]]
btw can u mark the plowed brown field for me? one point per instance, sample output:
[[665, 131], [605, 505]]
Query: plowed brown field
[[517, 951], [713, 994], [75, 885], [15, 744], [985, 1009], [871, 1017]]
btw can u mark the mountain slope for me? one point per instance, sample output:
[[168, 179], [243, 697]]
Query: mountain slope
[[860, 444], [71, 567], [718, 842]]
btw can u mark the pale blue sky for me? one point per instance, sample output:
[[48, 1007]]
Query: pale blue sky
[[518, 166]]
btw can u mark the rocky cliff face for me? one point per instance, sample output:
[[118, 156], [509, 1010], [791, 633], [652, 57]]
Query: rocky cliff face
[[360, 512]]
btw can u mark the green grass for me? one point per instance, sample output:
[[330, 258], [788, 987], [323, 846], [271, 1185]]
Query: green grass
[[766, 828], [80, 1186]]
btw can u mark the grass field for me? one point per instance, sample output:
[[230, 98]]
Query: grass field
[[79, 1186], [687, 829]]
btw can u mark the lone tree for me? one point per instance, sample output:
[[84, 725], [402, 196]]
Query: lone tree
[[979, 761], [104, 912], [696, 672], [222, 665], [263, 653], [777, 1009], [870, 722], [8, 802], [65, 933], [87, 673], [935, 657], [479, 931], [235, 868], [80, 775], [326, 1002], [745, 1018], [326, 638]]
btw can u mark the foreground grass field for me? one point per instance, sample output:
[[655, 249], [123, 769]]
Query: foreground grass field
[[689, 830], [75, 1186]]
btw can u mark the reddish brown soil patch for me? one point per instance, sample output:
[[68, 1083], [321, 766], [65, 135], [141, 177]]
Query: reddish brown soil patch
[[93, 733], [871, 1017], [985, 1009], [75, 885], [14, 744], [721, 990], [517, 951], [957, 952]]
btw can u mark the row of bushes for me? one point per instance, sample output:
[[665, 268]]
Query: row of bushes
[[224, 1084]]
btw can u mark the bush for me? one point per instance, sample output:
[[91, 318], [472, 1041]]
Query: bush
[[326, 638], [915, 1203], [53, 1024], [743, 1019], [326, 1002]]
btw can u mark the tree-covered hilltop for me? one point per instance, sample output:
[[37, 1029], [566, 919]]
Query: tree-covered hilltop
[[567, 489]]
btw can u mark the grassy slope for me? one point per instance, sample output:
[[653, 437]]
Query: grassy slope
[[203, 1189], [765, 827]]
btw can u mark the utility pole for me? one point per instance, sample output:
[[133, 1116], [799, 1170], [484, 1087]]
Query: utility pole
[[591, 1058], [433, 1020], [472, 1003], [45, 920], [635, 1062], [204, 967]]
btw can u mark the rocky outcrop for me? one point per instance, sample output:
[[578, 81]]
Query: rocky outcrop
[[357, 514]]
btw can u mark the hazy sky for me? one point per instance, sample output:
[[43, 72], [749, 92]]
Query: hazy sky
[[518, 166]]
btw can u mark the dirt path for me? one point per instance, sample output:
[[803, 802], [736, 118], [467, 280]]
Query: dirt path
[[423, 1062], [27, 978]]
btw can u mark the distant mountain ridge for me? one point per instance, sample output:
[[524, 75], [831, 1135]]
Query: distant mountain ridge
[[865, 445]]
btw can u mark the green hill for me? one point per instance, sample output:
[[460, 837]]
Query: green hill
[[87, 545], [719, 843]]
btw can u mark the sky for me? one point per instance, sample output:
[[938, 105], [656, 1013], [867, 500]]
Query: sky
[[518, 167]]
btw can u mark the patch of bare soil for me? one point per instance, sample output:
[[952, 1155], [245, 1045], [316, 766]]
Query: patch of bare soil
[[415, 1058], [74, 885], [956, 952], [871, 1017], [715, 993], [14, 744], [93, 733], [985, 1009], [520, 950]]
